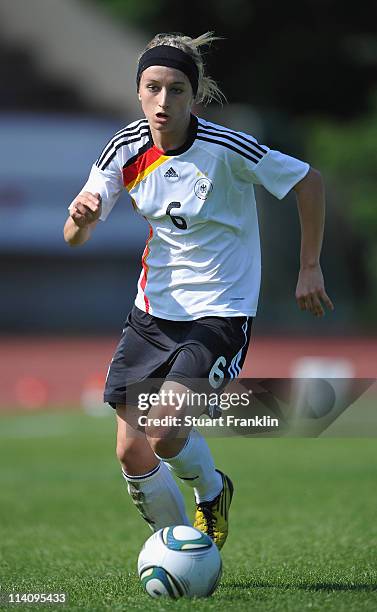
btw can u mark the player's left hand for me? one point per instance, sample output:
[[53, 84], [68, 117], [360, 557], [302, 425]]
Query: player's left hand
[[310, 291]]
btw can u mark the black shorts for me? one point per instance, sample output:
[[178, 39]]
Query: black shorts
[[210, 349]]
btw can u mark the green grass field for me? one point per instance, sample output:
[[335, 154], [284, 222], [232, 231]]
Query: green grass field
[[303, 522]]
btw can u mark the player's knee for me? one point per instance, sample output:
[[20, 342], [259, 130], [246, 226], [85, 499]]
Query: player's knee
[[161, 441], [155, 434]]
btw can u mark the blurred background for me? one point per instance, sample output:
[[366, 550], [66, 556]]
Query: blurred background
[[299, 76]]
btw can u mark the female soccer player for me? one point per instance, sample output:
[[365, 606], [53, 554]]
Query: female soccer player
[[198, 289]]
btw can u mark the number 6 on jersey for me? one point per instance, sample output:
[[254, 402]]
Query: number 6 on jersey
[[178, 221]]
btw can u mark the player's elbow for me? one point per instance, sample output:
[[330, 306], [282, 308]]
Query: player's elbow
[[313, 181]]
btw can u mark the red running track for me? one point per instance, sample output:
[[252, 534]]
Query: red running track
[[57, 371]]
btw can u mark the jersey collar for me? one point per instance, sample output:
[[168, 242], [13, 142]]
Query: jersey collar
[[193, 128]]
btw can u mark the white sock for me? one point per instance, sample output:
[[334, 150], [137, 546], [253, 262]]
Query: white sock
[[194, 465], [157, 497]]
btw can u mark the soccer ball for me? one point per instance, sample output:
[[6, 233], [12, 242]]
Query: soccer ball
[[179, 561]]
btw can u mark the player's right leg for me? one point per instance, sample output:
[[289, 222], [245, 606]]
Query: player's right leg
[[150, 484]]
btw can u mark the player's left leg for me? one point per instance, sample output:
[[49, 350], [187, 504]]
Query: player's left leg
[[182, 448], [212, 352], [186, 453]]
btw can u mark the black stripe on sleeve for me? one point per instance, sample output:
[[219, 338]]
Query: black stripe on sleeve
[[125, 133], [229, 146], [238, 135], [118, 146], [115, 140], [227, 136]]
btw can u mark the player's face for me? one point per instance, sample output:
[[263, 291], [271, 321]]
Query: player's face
[[166, 98]]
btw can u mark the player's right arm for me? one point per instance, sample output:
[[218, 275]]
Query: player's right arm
[[84, 213], [104, 185]]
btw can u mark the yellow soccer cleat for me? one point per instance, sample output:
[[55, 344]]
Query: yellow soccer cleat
[[211, 517]]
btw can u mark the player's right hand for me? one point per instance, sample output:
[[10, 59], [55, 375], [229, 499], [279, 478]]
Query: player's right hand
[[86, 208]]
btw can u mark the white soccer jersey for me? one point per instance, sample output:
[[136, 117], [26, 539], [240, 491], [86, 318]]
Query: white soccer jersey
[[202, 256]]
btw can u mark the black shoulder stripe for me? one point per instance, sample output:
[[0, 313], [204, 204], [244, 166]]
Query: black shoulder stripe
[[102, 165], [236, 141], [231, 139], [140, 130], [143, 149], [229, 146], [113, 142], [111, 151], [236, 134], [124, 131]]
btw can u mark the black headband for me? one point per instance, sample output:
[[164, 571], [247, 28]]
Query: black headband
[[165, 55]]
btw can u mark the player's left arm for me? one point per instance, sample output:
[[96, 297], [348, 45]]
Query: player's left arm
[[310, 290]]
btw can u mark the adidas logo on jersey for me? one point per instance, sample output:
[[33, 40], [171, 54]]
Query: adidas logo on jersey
[[171, 174]]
